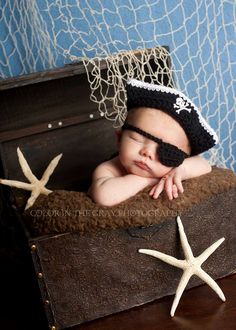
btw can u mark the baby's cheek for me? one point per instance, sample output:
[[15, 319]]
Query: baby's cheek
[[125, 155], [124, 161]]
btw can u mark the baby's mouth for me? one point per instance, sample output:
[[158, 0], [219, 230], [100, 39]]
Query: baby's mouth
[[143, 166]]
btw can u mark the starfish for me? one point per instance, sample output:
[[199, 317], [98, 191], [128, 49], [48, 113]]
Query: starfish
[[36, 186], [191, 265]]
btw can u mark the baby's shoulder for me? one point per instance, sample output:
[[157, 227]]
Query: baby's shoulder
[[111, 167]]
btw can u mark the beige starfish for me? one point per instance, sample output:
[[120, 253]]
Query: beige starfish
[[36, 186], [191, 265]]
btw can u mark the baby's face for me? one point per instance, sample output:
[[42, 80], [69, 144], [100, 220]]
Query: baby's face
[[138, 154]]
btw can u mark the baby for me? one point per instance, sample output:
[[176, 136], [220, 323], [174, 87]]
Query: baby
[[158, 146]]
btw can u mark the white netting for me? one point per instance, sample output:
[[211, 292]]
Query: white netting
[[108, 91], [200, 34]]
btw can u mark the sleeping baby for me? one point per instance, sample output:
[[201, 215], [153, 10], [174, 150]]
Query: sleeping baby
[[158, 146]]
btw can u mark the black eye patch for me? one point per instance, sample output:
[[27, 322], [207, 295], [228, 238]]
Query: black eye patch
[[168, 154]]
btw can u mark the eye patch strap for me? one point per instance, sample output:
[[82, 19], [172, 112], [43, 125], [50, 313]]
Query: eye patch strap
[[138, 130]]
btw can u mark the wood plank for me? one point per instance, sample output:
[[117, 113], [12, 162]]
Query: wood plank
[[49, 126], [37, 104]]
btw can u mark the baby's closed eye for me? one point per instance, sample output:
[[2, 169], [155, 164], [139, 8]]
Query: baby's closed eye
[[136, 137]]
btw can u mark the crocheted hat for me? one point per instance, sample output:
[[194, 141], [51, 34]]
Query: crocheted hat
[[141, 94]]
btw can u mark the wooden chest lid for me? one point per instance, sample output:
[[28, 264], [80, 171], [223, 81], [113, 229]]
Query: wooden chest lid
[[49, 114]]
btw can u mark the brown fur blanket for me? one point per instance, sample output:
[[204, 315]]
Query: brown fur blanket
[[66, 211]]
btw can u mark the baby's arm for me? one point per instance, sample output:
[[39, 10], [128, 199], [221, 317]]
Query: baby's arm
[[172, 182], [194, 166], [108, 189]]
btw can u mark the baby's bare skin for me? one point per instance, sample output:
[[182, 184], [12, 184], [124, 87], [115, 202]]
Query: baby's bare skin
[[112, 184]]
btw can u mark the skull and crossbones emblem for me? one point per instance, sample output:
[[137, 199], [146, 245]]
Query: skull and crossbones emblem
[[180, 104]]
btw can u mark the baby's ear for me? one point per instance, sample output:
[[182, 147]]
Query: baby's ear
[[118, 133]]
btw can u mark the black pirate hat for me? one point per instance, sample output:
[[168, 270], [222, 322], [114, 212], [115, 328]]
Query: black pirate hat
[[173, 102]]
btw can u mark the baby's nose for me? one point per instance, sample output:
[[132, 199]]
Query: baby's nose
[[147, 152]]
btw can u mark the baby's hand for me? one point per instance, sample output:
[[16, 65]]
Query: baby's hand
[[171, 183]]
